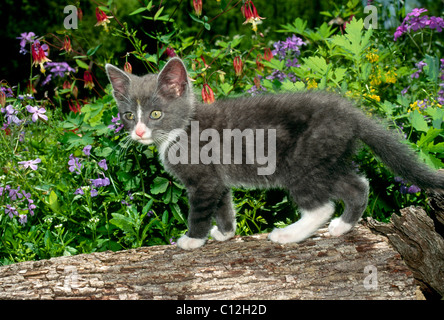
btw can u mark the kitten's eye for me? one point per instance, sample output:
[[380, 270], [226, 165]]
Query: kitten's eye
[[129, 116], [155, 114]]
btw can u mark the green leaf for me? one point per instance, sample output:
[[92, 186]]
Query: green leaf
[[137, 11], [124, 223], [432, 69], [82, 64], [92, 51], [53, 202], [418, 122], [156, 16], [159, 185]]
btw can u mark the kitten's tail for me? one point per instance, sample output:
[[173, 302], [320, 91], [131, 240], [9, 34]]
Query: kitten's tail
[[397, 156]]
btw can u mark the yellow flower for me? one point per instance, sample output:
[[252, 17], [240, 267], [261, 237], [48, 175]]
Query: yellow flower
[[311, 84], [372, 56], [390, 76], [372, 96]]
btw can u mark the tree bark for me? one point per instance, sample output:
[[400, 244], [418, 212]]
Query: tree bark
[[414, 235], [359, 265]]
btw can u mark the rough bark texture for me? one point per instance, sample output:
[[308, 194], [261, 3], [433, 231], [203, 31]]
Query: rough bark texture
[[414, 235], [359, 265]]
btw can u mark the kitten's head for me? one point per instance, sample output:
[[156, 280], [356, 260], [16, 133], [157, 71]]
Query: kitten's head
[[155, 104]]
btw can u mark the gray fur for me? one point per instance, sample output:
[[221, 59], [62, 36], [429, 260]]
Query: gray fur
[[316, 137]]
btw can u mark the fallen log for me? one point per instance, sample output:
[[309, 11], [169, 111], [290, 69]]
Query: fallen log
[[358, 265], [415, 236]]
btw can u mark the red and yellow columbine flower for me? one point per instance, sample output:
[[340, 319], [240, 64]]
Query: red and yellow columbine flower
[[87, 77], [238, 66], [268, 55], [197, 7], [259, 64], [250, 13], [102, 19], [38, 56], [207, 94], [128, 67], [67, 44]]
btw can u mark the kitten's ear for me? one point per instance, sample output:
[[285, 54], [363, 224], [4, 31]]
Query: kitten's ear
[[172, 81], [119, 80]]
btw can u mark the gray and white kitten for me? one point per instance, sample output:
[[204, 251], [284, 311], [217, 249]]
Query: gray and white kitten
[[308, 140]]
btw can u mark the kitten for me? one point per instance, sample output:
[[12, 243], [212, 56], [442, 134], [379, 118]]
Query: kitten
[[302, 142]]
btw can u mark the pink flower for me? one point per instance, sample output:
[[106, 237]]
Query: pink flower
[[250, 13], [207, 94], [37, 113], [32, 164]]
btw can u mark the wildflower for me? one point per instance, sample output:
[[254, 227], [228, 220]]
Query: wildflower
[[238, 66], [170, 52], [414, 22], [102, 19], [116, 126], [268, 55], [11, 211], [74, 106], [87, 150], [102, 164], [67, 44], [372, 56], [94, 193], [87, 77], [311, 84], [207, 94], [128, 67], [99, 182], [37, 113], [32, 164], [197, 4], [26, 37], [23, 218], [250, 14], [390, 76], [260, 66], [172, 242], [11, 116], [39, 56], [420, 65], [74, 164], [59, 69], [79, 191]]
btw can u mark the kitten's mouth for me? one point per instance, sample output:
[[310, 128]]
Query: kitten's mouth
[[145, 141]]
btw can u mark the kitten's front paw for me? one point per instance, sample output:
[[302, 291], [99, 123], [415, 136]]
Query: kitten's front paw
[[188, 243], [219, 236]]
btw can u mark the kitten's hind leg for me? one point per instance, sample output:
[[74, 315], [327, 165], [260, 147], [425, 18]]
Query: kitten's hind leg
[[353, 190], [225, 219], [308, 224]]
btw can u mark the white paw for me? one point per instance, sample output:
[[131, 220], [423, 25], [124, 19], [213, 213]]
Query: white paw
[[285, 235], [338, 227], [188, 243], [219, 236]]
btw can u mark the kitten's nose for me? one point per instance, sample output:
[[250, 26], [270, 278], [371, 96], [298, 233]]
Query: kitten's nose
[[140, 130]]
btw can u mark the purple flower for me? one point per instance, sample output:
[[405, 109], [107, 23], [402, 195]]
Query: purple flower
[[79, 191], [172, 242], [416, 12], [94, 193], [74, 164], [23, 218], [14, 193], [103, 165], [10, 115], [25, 39], [116, 126], [99, 182], [37, 113], [87, 150], [413, 189], [11, 211], [30, 164]]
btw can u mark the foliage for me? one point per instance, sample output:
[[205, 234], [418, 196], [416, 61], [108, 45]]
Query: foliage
[[71, 179]]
